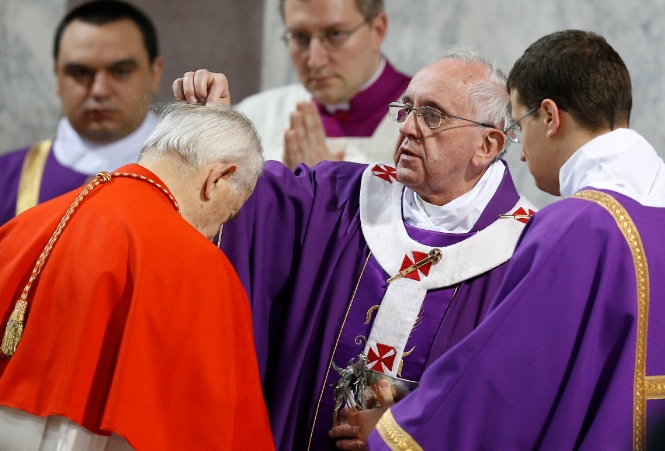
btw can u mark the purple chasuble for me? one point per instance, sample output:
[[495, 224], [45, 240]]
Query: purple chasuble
[[298, 248], [367, 108], [552, 365], [57, 180]]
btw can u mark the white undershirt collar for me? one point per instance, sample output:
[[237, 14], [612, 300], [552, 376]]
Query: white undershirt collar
[[621, 161], [458, 215], [346, 105], [86, 157]]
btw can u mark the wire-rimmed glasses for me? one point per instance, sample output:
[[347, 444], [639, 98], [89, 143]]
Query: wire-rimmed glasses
[[514, 130], [331, 39], [431, 116]]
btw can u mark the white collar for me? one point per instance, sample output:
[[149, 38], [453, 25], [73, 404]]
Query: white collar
[[458, 215], [621, 161], [346, 105], [86, 157]]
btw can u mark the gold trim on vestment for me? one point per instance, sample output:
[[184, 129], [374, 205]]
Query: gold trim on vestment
[[339, 335], [394, 436], [632, 236], [655, 387], [30, 181]]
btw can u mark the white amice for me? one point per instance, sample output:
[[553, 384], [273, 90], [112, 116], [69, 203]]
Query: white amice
[[86, 157], [459, 215], [621, 161]]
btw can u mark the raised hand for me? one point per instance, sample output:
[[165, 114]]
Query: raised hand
[[204, 87]]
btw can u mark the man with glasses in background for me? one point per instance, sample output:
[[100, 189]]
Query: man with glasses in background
[[383, 266], [338, 112]]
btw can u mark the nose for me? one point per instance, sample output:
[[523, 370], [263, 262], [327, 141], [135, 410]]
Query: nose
[[317, 54], [410, 127], [100, 85]]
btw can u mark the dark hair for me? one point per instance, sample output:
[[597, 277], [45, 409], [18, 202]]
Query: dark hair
[[581, 73], [101, 12], [368, 8]]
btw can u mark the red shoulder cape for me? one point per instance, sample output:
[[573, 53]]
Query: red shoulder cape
[[137, 324]]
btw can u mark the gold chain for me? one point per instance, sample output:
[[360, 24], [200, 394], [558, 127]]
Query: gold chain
[[15, 324]]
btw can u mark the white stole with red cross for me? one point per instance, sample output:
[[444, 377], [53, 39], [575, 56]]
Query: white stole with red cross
[[391, 246]]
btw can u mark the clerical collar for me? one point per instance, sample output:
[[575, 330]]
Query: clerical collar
[[86, 157], [621, 161], [458, 215], [345, 106]]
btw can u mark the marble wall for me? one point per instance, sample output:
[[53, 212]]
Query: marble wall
[[419, 30], [29, 108]]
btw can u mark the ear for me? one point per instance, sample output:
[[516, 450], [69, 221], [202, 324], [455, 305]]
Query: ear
[[491, 146], [217, 178], [379, 26], [551, 117], [157, 69]]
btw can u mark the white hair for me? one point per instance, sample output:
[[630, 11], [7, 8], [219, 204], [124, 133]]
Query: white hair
[[200, 135], [490, 99]]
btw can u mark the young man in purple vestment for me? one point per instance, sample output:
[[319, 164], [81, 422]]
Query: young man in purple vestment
[[107, 67], [570, 355], [338, 112], [389, 264]]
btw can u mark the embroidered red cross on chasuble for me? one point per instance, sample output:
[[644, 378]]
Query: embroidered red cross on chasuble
[[522, 215], [382, 361], [417, 256], [385, 172]]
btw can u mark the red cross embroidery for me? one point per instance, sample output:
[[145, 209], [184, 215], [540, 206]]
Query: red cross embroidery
[[386, 172], [522, 215], [417, 256], [382, 361]]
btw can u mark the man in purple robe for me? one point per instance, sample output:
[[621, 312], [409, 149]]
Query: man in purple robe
[[339, 110], [107, 68], [570, 354], [337, 259]]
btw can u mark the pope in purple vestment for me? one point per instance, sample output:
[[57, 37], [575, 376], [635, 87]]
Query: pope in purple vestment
[[299, 249], [346, 262]]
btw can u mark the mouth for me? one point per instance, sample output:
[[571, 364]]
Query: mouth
[[405, 153], [320, 79], [100, 114]]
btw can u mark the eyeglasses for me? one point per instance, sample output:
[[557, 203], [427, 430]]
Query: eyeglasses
[[514, 130], [330, 39], [432, 117]]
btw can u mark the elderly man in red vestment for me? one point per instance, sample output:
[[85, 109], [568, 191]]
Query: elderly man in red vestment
[[124, 326]]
